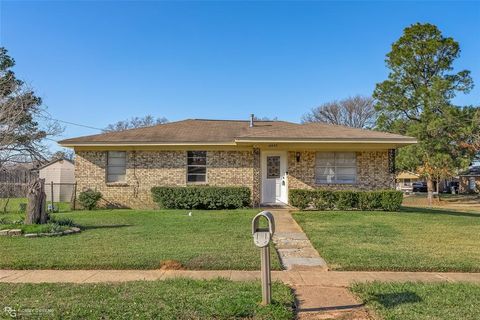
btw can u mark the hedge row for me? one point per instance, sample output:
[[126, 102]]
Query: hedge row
[[201, 197], [388, 200]]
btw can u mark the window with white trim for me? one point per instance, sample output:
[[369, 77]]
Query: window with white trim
[[335, 167], [116, 166], [196, 166]]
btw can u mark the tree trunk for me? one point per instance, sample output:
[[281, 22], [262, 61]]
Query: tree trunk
[[438, 188], [36, 213], [6, 205], [430, 191]]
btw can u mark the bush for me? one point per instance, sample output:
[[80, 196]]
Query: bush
[[201, 197], [346, 200], [67, 222], [391, 200], [89, 199], [325, 199], [300, 198], [388, 200], [370, 200]]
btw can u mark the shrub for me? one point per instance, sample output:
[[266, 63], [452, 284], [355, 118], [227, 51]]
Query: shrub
[[201, 197], [325, 199], [347, 200], [391, 200], [388, 200], [62, 222], [89, 199], [370, 200], [300, 198]]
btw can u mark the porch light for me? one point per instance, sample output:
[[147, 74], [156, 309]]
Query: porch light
[[297, 155]]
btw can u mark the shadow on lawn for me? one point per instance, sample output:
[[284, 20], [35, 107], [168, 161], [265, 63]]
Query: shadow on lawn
[[391, 300], [108, 226], [440, 211]]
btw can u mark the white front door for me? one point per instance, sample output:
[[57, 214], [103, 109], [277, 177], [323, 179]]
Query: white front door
[[274, 177]]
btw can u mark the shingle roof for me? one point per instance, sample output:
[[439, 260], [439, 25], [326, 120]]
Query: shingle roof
[[55, 161], [232, 131]]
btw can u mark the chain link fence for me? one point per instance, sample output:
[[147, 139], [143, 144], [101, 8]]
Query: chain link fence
[[61, 197]]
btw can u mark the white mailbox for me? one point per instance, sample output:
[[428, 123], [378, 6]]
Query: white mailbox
[[262, 237]]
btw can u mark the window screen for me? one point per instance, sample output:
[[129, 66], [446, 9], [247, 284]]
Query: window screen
[[116, 166], [335, 167], [196, 166]]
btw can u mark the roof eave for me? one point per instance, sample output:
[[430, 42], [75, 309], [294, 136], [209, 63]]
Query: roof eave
[[327, 140], [135, 144], [242, 141]]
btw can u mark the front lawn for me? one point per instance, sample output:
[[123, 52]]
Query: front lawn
[[13, 205], [417, 301], [409, 240], [133, 239], [169, 299]]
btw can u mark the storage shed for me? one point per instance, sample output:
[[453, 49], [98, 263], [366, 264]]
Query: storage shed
[[59, 178]]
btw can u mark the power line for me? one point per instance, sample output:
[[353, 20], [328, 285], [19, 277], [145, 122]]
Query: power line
[[74, 124]]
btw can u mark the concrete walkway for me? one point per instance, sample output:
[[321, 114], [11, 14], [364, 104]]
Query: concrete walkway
[[292, 244], [336, 279]]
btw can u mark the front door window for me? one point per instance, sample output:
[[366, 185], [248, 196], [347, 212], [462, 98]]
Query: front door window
[[273, 167]]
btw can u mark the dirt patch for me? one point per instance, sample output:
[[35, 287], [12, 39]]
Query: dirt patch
[[456, 202], [171, 265], [317, 302]]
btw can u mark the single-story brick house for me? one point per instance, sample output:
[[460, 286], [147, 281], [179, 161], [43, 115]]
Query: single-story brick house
[[405, 180], [469, 181], [270, 157]]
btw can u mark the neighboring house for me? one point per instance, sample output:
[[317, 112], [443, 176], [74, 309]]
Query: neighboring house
[[269, 157], [405, 179], [469, 181], [59, 174]]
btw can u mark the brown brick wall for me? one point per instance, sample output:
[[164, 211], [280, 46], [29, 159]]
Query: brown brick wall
[[230, 168], [146, 169], [257, 178], [372, 172]]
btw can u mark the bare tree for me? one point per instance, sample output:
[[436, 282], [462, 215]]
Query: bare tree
[[356, 112], [22, 129], [63, 154], [136, 122]]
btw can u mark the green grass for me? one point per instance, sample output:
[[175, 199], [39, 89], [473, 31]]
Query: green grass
[[410, 240], [34, 228], [169, 299], [13, 205], [131, 239], [418, 301]]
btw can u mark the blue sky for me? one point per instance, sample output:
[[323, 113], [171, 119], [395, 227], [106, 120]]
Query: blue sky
[[98, 62]]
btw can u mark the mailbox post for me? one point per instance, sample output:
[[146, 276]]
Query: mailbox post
[[262, 238]]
